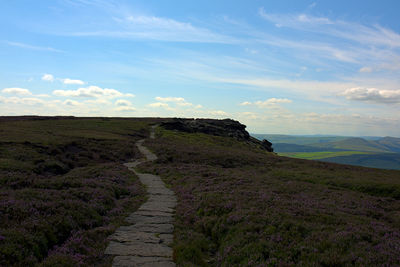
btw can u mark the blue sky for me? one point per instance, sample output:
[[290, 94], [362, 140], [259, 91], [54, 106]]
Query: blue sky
[[289, 67]]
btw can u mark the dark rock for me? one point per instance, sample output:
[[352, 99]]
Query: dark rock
[[226, 127], [267, 145]]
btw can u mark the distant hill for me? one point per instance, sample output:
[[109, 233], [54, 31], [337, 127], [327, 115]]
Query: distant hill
[[355, 143], [284, 147], [381, 160], [376, 152], [391, 143], [298, 139]]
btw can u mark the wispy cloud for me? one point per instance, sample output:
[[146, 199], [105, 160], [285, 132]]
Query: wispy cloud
[[340, 40], [170, 99], [267, 103], [144, 27], [32, 47], [363, 34]]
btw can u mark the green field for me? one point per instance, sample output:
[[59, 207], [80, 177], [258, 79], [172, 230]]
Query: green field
[[375, 152], [321, 155]]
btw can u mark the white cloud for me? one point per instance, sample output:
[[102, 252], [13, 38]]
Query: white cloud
[[123, 102], [42, 95], [159, 105], [98, 101], [25, 101], [218, 113], [267, 103], [372, 95], [170, 99], [16, 91], [125, 108], [184, 104], [48, 77], [90, 91], [179, 101], [70, 81], [70, 102]]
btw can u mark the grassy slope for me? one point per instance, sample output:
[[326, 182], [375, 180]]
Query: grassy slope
[[244, 207], [381, 160], [298, 140], [356, 144], [64, 189], [382, 153], [391, 143], [321, 155]]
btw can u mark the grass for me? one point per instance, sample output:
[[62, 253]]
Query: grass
[[246, 207], [63, 188], [321, 155]]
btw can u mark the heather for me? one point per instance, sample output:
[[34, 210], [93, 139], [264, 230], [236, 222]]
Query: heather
[[63, 188], [242, 206]]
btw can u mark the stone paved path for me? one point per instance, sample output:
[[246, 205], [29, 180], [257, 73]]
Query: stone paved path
[[146, 242]]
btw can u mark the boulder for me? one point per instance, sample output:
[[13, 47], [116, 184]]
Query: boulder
[[226, 127]]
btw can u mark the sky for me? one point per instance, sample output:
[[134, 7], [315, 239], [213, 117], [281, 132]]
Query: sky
[[279, 67]]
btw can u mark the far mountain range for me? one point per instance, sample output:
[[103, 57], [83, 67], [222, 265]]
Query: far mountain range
[[370, 151]]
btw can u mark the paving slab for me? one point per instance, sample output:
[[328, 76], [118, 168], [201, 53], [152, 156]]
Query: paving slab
[[133, 261], [146, 241]]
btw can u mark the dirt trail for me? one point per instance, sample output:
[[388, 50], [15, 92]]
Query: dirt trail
[[146, 242]]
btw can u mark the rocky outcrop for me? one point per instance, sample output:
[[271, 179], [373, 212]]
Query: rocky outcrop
[[226, 127]]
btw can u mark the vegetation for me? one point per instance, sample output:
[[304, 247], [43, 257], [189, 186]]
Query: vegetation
[[298, 139], [373, 152], [321, 155], [247, 207], [63, 188]]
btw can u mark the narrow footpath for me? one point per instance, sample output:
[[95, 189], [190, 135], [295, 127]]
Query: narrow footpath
[[146, 242]]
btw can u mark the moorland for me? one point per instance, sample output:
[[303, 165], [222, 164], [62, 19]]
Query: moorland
[[64, 189]]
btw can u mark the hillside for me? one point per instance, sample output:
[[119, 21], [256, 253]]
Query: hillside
[[356, 144], [391, 143], [64, 189], [376, 152], [242, 206], [298, 139]]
